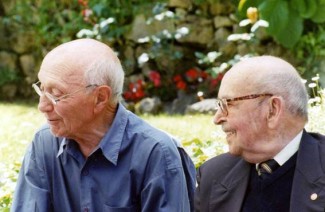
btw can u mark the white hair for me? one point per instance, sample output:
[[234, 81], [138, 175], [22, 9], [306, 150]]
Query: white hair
[[107, 71], [284, 80]]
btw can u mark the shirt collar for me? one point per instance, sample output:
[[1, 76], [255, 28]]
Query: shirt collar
[[62, 147], [112, 140], [290, 149]]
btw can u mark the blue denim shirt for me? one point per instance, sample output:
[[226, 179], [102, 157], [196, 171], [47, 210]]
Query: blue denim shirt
[[134, 168]]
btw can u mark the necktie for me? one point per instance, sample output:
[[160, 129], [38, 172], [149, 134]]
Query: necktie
[[267, 167]]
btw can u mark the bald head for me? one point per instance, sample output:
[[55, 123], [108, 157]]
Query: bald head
[[267, 74], [256, 69], [93, 60], [82, 51]]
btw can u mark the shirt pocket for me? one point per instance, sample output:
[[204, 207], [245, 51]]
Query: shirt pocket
[[108, 208]]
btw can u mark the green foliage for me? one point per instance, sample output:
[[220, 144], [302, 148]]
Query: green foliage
[[283, 22], [319, 15], [311, 50], [7, 76], [122, 11], [52, 22], [286, 17]]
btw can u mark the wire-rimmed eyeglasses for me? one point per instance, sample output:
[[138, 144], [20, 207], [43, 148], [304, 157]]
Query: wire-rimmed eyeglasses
[[222, 104], [52, 98]]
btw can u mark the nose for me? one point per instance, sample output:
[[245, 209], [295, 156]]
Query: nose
[[219, 117], [45, 105]]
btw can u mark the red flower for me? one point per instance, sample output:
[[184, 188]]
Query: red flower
[[128, 95], [204, 75], [177, 78], [220, 76], [135, 92], [192, 74], [214, 82], [181, 85], [139, 94], [83, 3], [154, 76]]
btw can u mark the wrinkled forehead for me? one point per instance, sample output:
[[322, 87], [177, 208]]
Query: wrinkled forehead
[[62, 63], [61, 68]]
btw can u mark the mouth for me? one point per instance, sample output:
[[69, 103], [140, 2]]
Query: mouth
[[52, 121]]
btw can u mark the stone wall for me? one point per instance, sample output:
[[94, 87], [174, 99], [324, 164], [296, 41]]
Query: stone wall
[[18, 58], [209, 26]]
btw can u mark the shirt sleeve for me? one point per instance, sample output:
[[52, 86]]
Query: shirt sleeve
[[165, 187], [190, 173], [31, 193]]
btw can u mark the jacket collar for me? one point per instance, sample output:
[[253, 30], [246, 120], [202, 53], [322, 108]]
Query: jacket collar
[[229, 194]]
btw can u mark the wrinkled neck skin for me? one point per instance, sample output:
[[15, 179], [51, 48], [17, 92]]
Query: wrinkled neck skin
[[89, 138], [276, 139]]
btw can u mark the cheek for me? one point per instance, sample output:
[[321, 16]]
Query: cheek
[[249, 128], [62, 112]]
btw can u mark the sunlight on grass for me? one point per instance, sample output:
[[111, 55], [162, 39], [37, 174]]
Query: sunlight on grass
[[18, 123], [17, 126], [185, 127]]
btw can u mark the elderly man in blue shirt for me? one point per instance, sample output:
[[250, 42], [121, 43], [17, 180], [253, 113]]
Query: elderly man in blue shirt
[[93, 154]]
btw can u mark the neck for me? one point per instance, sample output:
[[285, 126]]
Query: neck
[[277, 139], [95, 131]]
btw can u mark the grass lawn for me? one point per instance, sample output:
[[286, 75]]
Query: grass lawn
[[18, 123]]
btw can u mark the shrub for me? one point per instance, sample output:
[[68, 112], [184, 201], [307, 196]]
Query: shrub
[[193, 80], [286, 16]]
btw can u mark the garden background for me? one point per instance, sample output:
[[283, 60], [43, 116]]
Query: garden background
[[174, 52]]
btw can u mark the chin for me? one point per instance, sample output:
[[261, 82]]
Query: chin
[[57, 133]]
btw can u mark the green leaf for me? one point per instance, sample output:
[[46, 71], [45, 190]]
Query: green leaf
[[311, 7], [275, 12], [292, 31], [319, 16], [298, 5], [98, 9]]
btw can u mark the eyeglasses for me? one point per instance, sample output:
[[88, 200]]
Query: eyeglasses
[[222, 104], [52, 98]]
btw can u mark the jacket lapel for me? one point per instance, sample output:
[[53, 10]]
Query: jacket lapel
[[308, 189], [228, 194]]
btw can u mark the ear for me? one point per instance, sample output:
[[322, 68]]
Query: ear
[[276, 108], [103, 95]]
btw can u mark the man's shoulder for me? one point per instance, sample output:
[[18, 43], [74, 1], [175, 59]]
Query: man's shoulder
[[317, 136], [222, 162], [217, 168]]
